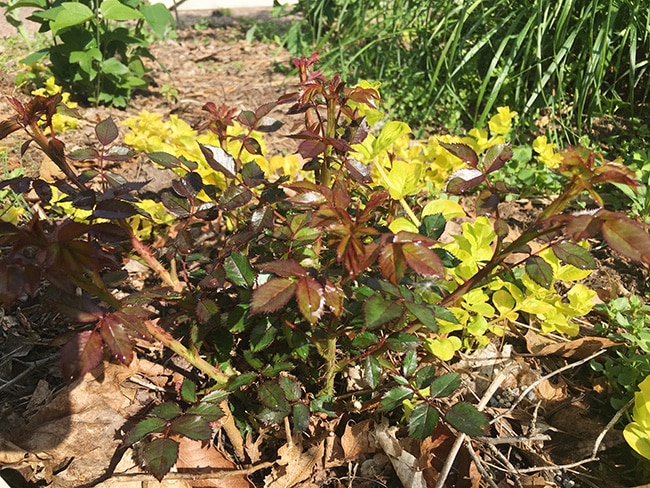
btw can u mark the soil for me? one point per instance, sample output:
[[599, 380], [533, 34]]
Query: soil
[[217, 64]]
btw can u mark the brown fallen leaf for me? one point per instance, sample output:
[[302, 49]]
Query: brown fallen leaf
[[534, 481], [194, 454], [535, 342], [355, 440], [78, 428], [578, 348], [294, 465], [433, 453], [405, 464], [551, 392]]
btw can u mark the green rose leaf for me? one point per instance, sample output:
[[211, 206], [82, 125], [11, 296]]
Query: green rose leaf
[[394, 398], [539, 271], [239, 271], [378, 311], [159, 456], [188, 391], [273, 397], [290, 387], [207, 411], [467, 419], [300, 417], [424, 313], [372, 371], [423, 421], [192, 427], [167, 410], [143, 428], [445, 385]]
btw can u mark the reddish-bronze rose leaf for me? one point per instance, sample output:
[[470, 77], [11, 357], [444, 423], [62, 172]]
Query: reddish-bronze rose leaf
[[405, 236], [284, 268], [309, 149], [134, 320], [391, 262], [496, 156], [573, 254], [539, 271], [106, 131], [8, 126], [272, 295], [310, 298], [422, 260], [627, 238], [116, 338], [333, 298], [81, 354], [464, 180], [583, 226], [462, 151]]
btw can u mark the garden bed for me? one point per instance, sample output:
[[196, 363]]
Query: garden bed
[[553, 420]]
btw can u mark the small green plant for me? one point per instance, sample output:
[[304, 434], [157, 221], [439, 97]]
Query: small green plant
[[628, 322], [98, 47], [170, 93], [274, 285]]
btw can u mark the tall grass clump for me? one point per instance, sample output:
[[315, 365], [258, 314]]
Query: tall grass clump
[[454, 61]]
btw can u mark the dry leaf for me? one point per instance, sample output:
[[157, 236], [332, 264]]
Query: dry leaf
[[295, 465], [79, 427], [49, 171], [253, 447], [550, 392], [535, 342], [435, 449], [405, 464], [578, 348], [193, 454], [534, 481], [355, 440]]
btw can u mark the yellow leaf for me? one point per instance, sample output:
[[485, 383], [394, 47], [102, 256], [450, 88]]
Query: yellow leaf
[[389, 134], [546, 152], [581, 299], [403, 179], [402, 223], [501, 123], [443, 348], [637, 433], [503, 301], [448, 208], [477, 326]]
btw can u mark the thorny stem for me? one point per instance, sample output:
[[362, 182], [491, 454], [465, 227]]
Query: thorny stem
[[330, 132], [330, 360], [192, 357], [145, 253]]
